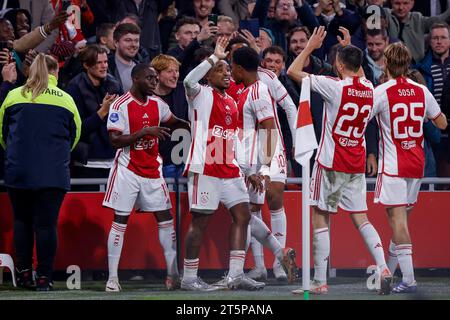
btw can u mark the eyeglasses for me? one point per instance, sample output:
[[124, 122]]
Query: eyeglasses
[[285, 5], [439, 38]]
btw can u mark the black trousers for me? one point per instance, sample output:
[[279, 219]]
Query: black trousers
[[36, 214]]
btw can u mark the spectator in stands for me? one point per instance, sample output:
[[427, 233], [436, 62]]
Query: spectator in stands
[[332, 15], [16, 47], [42, 12], [172, 92], [373, 64], [265, 39], [143, 54], [20, 20], [288, 14], [147, 11], [236, 9], [443, 154], [411, 27], [125, 57], [104, 36], [297, 40], [431, 133], [39, 126], [373, 18], [225, 27], [189, 38], [93, 92], [435, 68], [71, 38], [202, 9]]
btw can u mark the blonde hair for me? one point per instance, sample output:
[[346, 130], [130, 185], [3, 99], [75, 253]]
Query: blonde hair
[[37, 81], [398, 59], [162, 62]]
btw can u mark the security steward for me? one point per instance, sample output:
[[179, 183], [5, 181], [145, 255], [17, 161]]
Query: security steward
[[39, 126]]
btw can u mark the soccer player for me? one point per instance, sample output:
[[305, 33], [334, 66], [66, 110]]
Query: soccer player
[[401, 106], [338, 174], [257, 114], [214, 173], [136, 178], [278, 173]]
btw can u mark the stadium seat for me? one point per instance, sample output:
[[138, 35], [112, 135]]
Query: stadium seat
[[7, 262]]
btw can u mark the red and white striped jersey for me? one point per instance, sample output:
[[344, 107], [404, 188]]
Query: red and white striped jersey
[[129, 115], [347, 107], [214, 118], [255, 105], [281, 97], [400, 106]]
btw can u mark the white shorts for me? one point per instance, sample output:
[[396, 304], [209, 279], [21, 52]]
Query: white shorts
[[330, 189], [206, 192], [396, 191], [126, 190], [277, 173]]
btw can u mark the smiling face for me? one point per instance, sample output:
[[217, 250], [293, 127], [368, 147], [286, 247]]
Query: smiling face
[[203, 8], [168, 77], [100, 69], [128, 46], [22, 24], [298, 42], [220, 75], [274, 62]]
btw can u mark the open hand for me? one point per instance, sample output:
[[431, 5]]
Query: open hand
[[317, 37], [159, 132], [221, 44]]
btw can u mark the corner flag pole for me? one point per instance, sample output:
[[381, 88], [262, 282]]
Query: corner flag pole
[[305, 231], [305, 144]]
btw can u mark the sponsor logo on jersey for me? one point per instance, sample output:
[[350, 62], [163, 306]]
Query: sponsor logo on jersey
[[114, 117], [220, 132], [228, 120], [145, 116], [144, 144], [406, 145], [346, 142]]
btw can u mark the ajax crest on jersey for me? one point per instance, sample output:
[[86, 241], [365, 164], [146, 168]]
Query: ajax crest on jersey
[[204, 198]]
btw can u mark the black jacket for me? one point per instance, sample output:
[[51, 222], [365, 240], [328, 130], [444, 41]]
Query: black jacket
[[148, 13], [94, 142]]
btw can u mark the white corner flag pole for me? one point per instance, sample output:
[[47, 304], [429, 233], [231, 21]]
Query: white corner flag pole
[[305, 232], [305, 144]]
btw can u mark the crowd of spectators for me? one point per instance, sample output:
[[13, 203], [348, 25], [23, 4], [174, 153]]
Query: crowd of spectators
[[102, 40]]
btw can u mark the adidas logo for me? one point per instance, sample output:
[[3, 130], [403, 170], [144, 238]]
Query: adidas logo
[[145, 116]]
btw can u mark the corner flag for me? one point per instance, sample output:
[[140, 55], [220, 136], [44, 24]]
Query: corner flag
[[305, 138]]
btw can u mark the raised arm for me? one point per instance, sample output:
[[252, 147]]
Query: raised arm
[[295, 71], [191, 82]]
